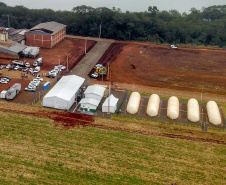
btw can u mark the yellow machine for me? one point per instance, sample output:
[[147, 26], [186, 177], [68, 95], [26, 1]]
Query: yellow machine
[[101, 70]]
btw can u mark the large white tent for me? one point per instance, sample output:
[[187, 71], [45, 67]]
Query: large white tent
[[63, 94], [110, 104]]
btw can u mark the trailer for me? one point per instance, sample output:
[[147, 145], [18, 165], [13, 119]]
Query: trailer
[[13, 91], [31, 52], [18, 62]]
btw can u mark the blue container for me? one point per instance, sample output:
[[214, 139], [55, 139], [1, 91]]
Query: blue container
[[46, 85]]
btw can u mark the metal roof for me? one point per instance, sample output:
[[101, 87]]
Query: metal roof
[[90, 101], [11, 47], [49, 27], [95, 89]]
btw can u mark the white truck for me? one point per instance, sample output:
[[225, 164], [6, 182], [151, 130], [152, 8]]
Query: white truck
[[13, 91]]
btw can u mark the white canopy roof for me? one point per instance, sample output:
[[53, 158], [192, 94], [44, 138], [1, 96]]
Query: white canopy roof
[[111, 100], [90, 101], [95, 89], [66, 87]]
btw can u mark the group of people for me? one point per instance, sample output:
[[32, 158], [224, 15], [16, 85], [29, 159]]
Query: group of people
[[25, 75]]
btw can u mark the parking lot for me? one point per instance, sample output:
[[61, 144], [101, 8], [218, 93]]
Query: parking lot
[[25, 78]]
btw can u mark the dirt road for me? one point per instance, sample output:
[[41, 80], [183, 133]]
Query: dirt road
[[91, 58]]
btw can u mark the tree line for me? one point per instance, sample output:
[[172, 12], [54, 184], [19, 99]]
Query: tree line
[[199, 27]]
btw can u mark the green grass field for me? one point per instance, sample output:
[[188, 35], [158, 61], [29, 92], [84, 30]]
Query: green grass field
[[34, 151]]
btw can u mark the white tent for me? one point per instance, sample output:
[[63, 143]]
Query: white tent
[[95, 92], [89, 104], [63, 94], [110, 104]]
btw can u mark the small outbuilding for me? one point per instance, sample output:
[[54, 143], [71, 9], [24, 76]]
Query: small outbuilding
[[64, 93], [110, 104], [94, 91]]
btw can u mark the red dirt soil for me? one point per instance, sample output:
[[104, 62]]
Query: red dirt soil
[[51, 58], [74, 48], [183, 68]]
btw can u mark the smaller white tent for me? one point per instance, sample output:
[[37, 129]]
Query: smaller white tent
[[89, 104], [110, 104], [95, 92]]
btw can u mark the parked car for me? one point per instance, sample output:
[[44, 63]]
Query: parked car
[[62, 67], [31, 70], [27, 64], [16, 67], [94, 75], [2, 66], [98, 65], [38, 78], [7, 77], [37, 69], [33, 89], [12, 67], [50, 76], [8, 66], [173, 47]]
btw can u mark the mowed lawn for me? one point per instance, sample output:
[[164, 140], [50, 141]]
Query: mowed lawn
[[34, 151]]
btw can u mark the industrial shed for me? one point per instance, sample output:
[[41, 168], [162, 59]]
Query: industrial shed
[[95, 92], [110, 104], [10, 50], [46, 35], [63, 94]]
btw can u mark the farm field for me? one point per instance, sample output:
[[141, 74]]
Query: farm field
[[184, 68], [39, 150]]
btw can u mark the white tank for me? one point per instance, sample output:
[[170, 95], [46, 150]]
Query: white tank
[[193, 112], [173, 108], [153, 105], [133, 103], [213, 113]]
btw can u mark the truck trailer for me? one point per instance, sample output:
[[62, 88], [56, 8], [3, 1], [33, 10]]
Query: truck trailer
[[13, 91]]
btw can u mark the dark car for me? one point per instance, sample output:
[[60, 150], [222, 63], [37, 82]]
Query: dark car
[[7, 77], [12, 67], [50, 76]]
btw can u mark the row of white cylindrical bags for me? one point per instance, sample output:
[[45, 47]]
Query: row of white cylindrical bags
[[173, 108]]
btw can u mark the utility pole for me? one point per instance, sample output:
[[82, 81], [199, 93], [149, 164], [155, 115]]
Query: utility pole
[[100, 31], [8, 21], [108, 70], [85, 44], [109, 98], [67, 60]]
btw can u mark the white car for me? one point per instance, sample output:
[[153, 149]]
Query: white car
[[27, 64], [98, 65], [38, 78], [37, 69], [35, 64], [173, 46], [3, 81], [61, 67], [94, 75], [8, 66], [16, 68], [30, 89]]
